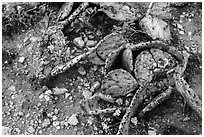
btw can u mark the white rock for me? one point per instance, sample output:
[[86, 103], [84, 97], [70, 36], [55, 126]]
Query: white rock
[[41, 96], [21, 59], [119, 101], [67, 95], [181, 32], [179, 26], [5, 130], [87, 94], [90, 43], [152, 131], [46, 122], [54, 118], [31, 129], [12, 88], [79, 42], [73, 120], [48, 92], [55, 123], [117, 112], [134, 120], [81, 70], [58, 91]]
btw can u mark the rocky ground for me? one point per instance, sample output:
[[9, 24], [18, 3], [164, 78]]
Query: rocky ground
[[54, 106]]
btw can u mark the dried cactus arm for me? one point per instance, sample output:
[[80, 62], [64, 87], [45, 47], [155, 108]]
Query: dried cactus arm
[[184, 89], [81, 7], [156, 101], [63, 67], [142, 93]]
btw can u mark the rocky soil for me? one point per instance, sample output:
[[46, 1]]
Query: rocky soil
[[54, 106]]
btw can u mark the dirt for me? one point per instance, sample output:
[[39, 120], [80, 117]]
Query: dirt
[[28, 109]]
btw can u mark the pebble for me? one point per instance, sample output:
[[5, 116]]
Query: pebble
[[90, 43], [119, 101], [79, 42], [152, 132], [31, 129], [21, 59], [87, 94], [47, 97], [134, 120], [5, 130], [41, 96], [46, 122], [56, 111], [58, 91], [186, 119], [58, 127], [17, 130], [95, 86], [117, 112], [48, 92], [73, 120], [81, 70], [56, 123], [54, 118], [40, 131], [179, 26], [12, 88], [181, 32], [67, 95]]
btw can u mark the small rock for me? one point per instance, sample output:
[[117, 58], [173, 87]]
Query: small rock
[[46, 122], [81, 70], [70, 97], [87, 94], [90, 43], [47, 97], [54, 118], [105, 126], [134, 120], [41, 96], [12, 88], [79, 42], [58, 91], [58, 127], [67, 95], [31, 129], [21, 59], [5, 130], [95, 86], [152, 131], [119, 101], [181, 32], [117, 112], [40, 131], [56, 111], [48, 92], [55, 123], [186, 119], [179, 26], [17, 130], [90, 120], [73, 120]]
